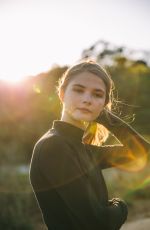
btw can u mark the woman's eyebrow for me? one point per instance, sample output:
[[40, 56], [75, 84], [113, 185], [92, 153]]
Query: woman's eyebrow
[[78, 85], [99, 90], [82, 86]]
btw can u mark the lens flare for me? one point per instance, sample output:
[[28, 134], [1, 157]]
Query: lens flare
[[138, 189], [36, 89]]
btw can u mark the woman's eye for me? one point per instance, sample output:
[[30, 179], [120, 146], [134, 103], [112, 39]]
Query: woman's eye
[[98, 95], [78, 90]]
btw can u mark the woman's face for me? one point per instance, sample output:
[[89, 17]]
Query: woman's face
[[83, 99]]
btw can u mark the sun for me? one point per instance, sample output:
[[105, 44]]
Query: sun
[[12, 79]]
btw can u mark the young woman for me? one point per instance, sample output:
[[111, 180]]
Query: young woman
[[67, 161]]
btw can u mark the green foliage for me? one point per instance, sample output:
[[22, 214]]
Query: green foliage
[[139, 193], [16, 199], [14, 212]]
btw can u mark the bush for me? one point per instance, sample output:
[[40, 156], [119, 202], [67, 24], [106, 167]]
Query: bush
[[14, 211], [18, 206]]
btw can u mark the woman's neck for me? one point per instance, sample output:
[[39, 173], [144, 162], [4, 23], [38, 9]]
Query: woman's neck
[[80, 124]]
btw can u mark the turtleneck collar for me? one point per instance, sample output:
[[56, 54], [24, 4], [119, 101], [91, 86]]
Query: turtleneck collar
[[68, 130]]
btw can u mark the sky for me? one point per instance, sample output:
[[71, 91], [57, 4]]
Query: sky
[[37, 34]]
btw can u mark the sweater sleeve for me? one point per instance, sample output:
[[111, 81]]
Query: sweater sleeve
[[131, 154], [74, 197]]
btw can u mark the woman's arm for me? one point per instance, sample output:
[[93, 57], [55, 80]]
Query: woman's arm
[[121, 129], [134, 150]]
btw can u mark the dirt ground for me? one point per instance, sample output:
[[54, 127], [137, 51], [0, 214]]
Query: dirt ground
[[141, 224], [139, 216]]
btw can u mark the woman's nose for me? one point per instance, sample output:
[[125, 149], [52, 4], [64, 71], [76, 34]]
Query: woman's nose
[[87, 98]]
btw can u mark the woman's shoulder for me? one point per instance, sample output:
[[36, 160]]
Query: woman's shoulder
[[53, 149], [49, 140]]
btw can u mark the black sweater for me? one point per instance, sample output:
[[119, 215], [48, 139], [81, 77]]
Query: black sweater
[[67, 180]]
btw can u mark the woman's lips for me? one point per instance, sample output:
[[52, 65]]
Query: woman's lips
[[84, 110]]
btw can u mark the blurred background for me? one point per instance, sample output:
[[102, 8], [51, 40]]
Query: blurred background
[[38, 42]]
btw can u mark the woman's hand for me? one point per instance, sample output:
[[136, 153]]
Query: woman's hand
[[106, 117], [119, 213]]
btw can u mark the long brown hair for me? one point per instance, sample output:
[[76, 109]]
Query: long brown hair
[[95, 133]]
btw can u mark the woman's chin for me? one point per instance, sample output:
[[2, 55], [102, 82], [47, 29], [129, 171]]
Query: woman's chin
[[83, 118]]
